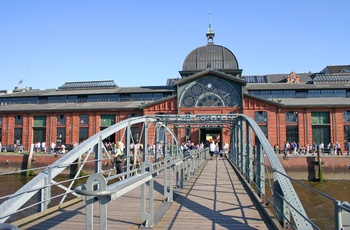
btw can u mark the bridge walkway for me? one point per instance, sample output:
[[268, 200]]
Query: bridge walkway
[[214, 198]]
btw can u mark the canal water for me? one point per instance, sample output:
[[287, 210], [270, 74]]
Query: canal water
[[318, 209]]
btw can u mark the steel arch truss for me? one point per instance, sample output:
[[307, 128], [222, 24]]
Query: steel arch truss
[[93, 145]]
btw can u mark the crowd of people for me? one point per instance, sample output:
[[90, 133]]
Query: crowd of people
[[293, 148], [119, 155], [215, 150]]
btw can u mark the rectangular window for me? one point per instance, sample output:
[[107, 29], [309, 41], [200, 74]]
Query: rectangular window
[[72, 99], [39, 121], [0, 120], [346, 116], [340, 93], [107, 120], [266, 94], [84, 119], [292, 133], [82, 98], [320, 118], [18, 135], [61, 136], [314, 93], [135, 134], [18, 120], [43, 100], [125, 97], [289, 94], [187, 133], [301, 94], [83, 134], [264, 129], [260, 116], [61, 119], [347, 132]]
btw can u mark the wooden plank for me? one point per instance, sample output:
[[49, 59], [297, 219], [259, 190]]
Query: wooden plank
[[214, 198]]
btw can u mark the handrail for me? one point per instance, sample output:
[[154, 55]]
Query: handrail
[[96, 185], [250, 162]]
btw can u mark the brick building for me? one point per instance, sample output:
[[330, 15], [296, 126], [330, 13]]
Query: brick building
[[304, 107]]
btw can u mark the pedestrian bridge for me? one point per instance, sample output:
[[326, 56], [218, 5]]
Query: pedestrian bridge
[[171, 189]]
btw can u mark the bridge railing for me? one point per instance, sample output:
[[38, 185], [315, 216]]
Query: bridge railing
[[91, 153], [260, 167], [175, 171]]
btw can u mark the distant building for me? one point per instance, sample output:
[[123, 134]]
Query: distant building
[[300, 107]]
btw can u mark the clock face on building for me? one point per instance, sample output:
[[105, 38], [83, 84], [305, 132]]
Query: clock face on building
[[209, 92]]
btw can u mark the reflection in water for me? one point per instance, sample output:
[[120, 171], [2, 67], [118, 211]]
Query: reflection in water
[[319, 209]]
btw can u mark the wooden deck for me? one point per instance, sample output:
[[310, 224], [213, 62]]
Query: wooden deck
[[214, 198]]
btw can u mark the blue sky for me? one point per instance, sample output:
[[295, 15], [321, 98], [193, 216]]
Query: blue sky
[[138, 43]]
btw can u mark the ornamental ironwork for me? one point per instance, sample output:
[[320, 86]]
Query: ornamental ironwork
[[210, 92]]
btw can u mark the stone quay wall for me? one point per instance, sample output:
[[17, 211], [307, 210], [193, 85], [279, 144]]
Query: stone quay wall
[[334, 167]]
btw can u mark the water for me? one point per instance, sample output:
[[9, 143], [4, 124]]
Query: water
[[11, 183], [319, 209]]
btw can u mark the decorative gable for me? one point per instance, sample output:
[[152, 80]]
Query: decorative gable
[[210, 90]]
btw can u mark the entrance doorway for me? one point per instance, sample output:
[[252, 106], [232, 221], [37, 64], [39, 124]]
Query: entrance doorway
[[210, 134]]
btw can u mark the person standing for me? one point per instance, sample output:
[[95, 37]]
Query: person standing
[[52, 147], [119, 158], [212, 147], [322, 148], [43, 147], [217, 150]]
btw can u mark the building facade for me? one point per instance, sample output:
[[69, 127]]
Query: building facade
[[304, 108]]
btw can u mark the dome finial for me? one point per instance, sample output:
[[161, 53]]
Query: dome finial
[[210, 33]]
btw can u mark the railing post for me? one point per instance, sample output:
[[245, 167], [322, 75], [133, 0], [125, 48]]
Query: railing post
[[249, 155], [127, 150], [90, 200], [260, 169], [147, 218], [98, 155], [188, 168], [45, 192], [338, 223], [180, 173], [165, 145], [145, 143], [241, 144], [156, 134], [168, 187]]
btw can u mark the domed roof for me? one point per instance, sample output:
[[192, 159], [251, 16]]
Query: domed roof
[[210, 56]]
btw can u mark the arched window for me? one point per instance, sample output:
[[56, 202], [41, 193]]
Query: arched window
[[346, 116], [291, 117], [210, 92], [260, 116]]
